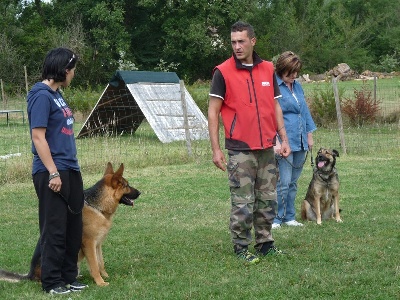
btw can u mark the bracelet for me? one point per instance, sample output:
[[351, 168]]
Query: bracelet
[[280, 128], [54, 175]]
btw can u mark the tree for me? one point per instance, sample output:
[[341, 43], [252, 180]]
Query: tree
[[105, 36], [277, 29], [192, 36], [10, 60]]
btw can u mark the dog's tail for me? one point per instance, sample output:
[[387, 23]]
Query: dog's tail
[[12, 277], [34, 272]]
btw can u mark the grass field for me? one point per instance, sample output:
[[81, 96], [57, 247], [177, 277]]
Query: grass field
[[175, 243]]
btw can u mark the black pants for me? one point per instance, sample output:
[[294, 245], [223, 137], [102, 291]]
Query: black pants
[[60, 224]]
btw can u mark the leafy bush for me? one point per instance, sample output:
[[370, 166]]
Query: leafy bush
[[387, 63], [392, 118], [323, 106], [11, 71], [363, 109], [199, 92], [82, 99]]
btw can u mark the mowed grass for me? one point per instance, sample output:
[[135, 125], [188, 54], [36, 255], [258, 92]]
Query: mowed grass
[[175, 242]]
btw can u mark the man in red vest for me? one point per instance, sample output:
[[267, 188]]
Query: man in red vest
[[244, 92]]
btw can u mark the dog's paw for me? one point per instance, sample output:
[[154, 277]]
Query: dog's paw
[[104, 274], [102, 283], [339, 220]]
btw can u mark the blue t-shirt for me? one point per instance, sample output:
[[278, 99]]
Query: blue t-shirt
[[47, 109]]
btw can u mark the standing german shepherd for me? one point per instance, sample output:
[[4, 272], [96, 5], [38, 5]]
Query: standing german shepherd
[[322, 198], [101, 202]]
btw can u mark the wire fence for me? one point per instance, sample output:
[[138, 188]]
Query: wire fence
[[143, 148]]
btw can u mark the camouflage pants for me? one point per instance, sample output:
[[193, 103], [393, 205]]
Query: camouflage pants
[[252, 182]]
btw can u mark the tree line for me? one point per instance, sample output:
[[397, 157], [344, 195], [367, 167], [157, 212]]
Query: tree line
[[190, 37]]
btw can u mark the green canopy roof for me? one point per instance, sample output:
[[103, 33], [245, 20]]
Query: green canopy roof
[[128, 77]]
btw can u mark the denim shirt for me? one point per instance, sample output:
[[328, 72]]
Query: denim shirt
[[296, 115]]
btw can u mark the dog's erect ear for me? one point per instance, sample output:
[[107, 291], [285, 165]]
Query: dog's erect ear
[[109, 169], [335, 152], [120, 171], [116, 177]]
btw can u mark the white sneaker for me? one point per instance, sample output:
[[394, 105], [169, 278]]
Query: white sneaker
[[293, 223], [276, 225]]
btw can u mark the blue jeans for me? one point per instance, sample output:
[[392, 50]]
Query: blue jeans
[[289, 172]]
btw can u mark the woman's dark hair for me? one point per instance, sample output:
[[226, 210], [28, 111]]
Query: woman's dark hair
[[56, 63], [287, 64]]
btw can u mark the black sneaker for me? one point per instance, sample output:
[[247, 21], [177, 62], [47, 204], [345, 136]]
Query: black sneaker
[[272, 251], [248, 257], [61, 290], [76, 286]]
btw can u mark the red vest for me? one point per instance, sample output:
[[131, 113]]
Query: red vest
[[248, 109]]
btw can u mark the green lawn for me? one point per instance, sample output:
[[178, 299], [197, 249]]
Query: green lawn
[[175, 244]]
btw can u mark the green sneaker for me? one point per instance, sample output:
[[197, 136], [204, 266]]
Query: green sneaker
[[248, 257], [274, 251]]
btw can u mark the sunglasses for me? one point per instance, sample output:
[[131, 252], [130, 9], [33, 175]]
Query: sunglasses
[[71, 59]]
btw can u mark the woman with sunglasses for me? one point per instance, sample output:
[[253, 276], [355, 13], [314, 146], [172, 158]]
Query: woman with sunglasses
[[56, 174]]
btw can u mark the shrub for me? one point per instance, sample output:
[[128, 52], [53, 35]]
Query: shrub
[[323, 106], [82, 99], [387, 63], [363, 109], [392, 118], [199, 92]]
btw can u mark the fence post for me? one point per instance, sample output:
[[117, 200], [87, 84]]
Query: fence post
[[185, 118], [26, 80], [339, 114], [3, 94]]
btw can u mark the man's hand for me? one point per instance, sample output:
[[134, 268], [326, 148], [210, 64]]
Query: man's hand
[[219, 159]]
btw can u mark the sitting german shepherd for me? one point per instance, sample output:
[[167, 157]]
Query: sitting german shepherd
[[101, 202], [322, 198]]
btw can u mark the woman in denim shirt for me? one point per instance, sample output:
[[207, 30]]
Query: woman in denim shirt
[[299, 127]]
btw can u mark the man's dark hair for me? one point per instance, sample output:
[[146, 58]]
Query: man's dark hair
[[242, 26], [57, 62]]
